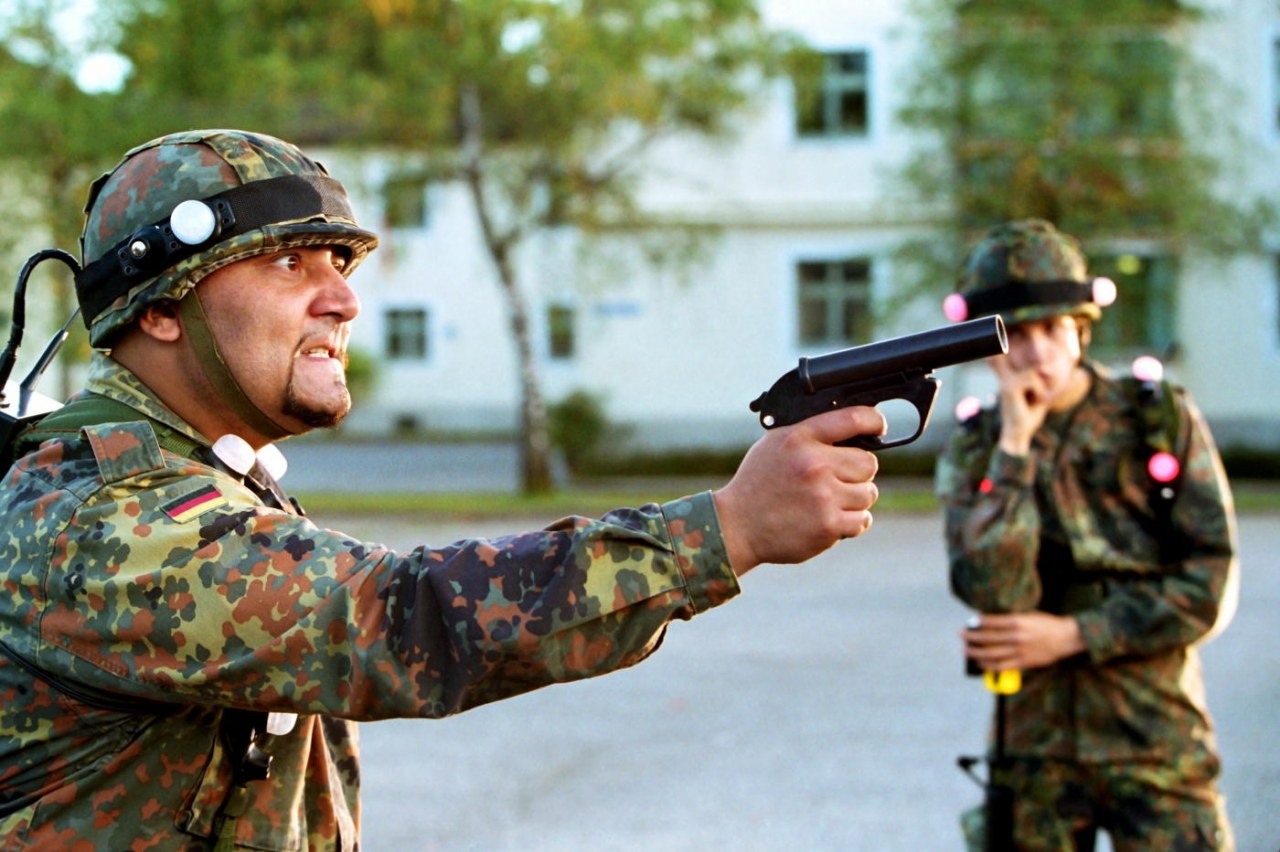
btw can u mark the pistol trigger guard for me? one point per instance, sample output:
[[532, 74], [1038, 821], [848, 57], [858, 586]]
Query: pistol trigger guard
[[921, 393]]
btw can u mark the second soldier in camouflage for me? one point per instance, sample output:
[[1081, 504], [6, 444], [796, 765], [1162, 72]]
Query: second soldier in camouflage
[[1097, 574]]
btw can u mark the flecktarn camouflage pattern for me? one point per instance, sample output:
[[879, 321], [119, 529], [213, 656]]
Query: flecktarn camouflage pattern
[[1030, 252], [1075, 528], [169, 585], [154, 178]]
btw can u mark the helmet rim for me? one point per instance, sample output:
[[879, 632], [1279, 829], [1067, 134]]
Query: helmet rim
[[180, 279]]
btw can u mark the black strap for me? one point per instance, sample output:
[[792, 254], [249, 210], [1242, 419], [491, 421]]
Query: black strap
[[1018, 294], [1159, 413], [152, 249], [240, 732]]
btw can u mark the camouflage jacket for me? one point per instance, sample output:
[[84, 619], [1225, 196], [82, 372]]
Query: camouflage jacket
[[138, 573], [1145, 582]]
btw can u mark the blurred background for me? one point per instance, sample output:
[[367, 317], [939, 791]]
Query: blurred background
[[609, 224]]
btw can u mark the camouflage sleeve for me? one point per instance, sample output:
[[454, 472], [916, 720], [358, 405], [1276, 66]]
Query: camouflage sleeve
[[199, 593], [992, 524], [1196, 593]]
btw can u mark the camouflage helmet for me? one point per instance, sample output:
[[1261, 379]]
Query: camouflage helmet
[[1025, 271], [179, 207]]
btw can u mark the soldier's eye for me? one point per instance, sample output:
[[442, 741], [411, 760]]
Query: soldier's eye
[[291, 261]]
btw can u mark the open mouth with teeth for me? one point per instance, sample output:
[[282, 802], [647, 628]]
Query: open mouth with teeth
[[324, 353]]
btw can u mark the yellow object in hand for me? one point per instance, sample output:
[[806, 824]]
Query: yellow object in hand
[[1004, 682]]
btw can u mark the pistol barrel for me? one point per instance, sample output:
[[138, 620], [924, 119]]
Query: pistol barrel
[[913, 353]]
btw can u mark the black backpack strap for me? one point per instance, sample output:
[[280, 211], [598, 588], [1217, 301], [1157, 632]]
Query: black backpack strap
[[1157, 408], [1157, 405], [1159, 411]]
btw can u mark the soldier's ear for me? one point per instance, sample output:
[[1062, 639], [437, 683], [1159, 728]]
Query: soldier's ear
[[160, 321]]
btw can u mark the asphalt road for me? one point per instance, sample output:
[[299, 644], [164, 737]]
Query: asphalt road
[[822, 709], [324, 465]]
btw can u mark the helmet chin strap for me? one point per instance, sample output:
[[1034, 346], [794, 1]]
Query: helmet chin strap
[[196, 325]]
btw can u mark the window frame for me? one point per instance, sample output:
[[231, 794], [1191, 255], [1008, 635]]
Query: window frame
[[829, 94], [392, 331], [1138, 113], [1272, 102], [407, 189], [1275, 301], [550, 331], [1147, 301], [837, 332]]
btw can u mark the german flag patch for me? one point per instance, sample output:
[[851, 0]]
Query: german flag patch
[[195, 504]]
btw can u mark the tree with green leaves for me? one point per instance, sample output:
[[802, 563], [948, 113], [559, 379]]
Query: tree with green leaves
[[54, 139], [1092, 114], [542, 109]]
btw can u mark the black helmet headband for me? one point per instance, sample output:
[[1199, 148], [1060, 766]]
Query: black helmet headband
[[1017, 294]]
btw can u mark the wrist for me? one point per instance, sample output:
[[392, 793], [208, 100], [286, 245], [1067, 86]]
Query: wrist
[[1071, 639], [1015, 445], [737, 547]]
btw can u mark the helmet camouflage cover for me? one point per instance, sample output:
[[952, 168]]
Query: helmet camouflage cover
[[1025, 271], [183, 205]]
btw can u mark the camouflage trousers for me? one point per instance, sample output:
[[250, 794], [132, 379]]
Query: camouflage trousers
[[1062, 805]]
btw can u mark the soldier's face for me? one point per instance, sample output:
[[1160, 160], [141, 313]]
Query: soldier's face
[[1049, 348], [282, 324]]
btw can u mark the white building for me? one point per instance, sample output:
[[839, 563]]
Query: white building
[[807, 223]]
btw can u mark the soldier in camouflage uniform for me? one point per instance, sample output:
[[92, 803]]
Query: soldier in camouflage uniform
[[182, 652], [1097, 573]]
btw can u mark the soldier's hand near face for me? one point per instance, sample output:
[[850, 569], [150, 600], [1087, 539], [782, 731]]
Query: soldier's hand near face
[[1024, 402], [795, 494]]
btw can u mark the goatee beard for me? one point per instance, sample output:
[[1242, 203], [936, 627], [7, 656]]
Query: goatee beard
[[316, 418]]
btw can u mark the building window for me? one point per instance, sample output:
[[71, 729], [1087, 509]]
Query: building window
[[834, 301], [1144, 106], [835, 102], [1143, 316], [406, 334], [1011, 90], [562, 341], [404, 201], [1275, 85], [1275, 308]]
